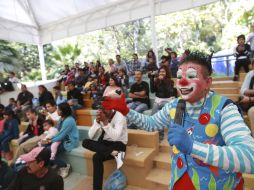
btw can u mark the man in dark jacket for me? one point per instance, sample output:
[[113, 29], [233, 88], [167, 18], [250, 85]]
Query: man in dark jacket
[[74, 97]]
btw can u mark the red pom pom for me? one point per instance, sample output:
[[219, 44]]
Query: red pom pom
[[179, 163], [204, 118]]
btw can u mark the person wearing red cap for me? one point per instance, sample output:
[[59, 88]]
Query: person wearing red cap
[[37, 174], [108, 138]]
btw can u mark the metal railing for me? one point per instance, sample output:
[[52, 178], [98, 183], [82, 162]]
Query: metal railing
[[224, 59]]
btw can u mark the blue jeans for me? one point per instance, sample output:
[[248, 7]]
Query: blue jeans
[[157, 107], [138, 106], [4, 143]]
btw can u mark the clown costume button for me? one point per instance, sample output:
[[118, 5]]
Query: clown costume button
[[211, 130], [179, 163], [175, 150], [172, 113], [204, 118]]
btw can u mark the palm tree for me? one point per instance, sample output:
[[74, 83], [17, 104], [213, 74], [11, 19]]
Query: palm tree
[[66, 54]]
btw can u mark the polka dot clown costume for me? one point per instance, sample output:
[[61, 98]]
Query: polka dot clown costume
[[213, 145]]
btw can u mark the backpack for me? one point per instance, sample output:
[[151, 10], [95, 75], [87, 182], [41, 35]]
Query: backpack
[[116, 181]]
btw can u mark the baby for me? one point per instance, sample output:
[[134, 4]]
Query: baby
[[50, 131]]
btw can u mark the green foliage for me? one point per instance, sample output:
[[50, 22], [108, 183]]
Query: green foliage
[[34, 75], [9, 57], [66, 54]]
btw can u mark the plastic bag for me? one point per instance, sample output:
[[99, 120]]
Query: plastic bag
[[116, 181]]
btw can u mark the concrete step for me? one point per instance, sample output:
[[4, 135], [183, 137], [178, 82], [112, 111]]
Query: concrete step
[[162, 160], [249, 181], [222, 78], [241, 77], [83, 132], [137, 164], [85, 117], [88, 103], [225, 84], [141, 138], [160, 177], [164, 146], [226, 90], [72, 180], [233, 97], [135, 156], [76, 159], [87, 183]]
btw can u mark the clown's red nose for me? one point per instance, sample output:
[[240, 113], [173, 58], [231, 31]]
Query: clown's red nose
[[183, 82]]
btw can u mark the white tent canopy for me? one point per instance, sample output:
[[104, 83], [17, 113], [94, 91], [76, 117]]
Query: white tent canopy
[[44, 21]]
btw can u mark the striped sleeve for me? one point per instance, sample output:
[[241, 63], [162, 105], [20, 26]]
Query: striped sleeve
[[238, 153], [158, 121]]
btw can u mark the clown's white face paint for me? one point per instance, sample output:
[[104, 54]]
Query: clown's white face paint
[[190, 82]]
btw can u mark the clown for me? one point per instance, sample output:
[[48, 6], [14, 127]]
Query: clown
[[217, 145]]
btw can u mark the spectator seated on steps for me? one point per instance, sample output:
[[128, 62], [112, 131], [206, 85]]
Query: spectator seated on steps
[[59, 98], [37, 174], [35, 126], [108, 138], [139, 92], [68, 135], [10, 132], [74, 97], [247, 96], [241, 52]]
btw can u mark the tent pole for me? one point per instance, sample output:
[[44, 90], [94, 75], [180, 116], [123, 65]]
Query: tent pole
[[42, 62], [153, 30]]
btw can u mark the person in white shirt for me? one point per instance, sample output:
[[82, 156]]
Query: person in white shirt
[[13, 79], [108, 138], [52, 111]]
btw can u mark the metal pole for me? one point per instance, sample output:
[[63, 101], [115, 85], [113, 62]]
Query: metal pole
[[42, 62], [153, 30], [227, 63]]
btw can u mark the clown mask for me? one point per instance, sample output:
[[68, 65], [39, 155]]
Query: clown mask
[[191, 83]]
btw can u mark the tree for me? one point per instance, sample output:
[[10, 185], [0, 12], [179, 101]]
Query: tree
[[9, 58], [66, 54]]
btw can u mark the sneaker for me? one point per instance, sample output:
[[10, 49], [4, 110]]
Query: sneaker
[[64, 172], [18, 161], [119, 159]]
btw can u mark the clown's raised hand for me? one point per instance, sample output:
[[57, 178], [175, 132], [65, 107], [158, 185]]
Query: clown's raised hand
[[118, 104]]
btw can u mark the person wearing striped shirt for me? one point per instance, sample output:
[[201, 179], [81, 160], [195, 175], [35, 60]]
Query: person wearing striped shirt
[[213, 145]]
